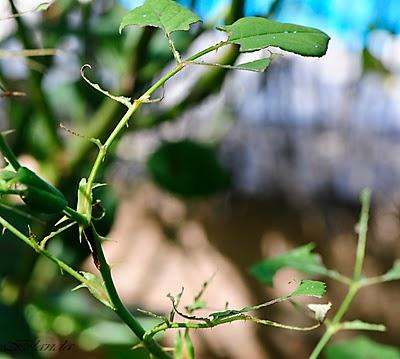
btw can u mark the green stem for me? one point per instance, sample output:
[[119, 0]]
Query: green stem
[[353, 289], [207, 50], [75, 216], [121, 310], [365, 282], [356, 282], [216, 322], [339, 277], [135, 106], [322, 342], [362, 234], [104, 268], [119, 306], [8, 153], [35, 246]]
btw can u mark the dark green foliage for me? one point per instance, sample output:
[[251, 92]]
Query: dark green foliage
[[40, 195], [362, 348], [16, 337], [188, 169]]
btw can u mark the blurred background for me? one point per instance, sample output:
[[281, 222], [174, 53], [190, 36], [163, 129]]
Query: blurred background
[[228, 169]]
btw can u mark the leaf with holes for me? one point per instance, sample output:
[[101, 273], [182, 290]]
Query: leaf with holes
[[256, 33], [168, 15], [310, 288]]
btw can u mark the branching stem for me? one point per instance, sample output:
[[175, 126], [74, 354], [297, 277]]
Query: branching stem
[[135, 106], [36, 247], [356, 282]]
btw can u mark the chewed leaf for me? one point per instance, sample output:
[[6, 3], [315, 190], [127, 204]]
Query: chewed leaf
[[361, 348], [165, 14], [224, 314], [320, 310], [310, 288], [258, 65], [256, 33], [393, 273], [300, 258], [96, 287]]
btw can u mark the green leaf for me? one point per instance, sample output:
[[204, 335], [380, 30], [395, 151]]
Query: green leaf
[[310, 288], [258, 65], [361, 348], [256, 33], [393, 273], [300, 258], [178, 350], [370, 63], [168, 15], [97, 288], [360, 325], [189, 346]]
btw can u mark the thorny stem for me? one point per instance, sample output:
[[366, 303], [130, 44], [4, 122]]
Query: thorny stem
[[75, 216], [119, 306], [36, 247], [104, 268], [356, 282], [134, 107], [220, 321]]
